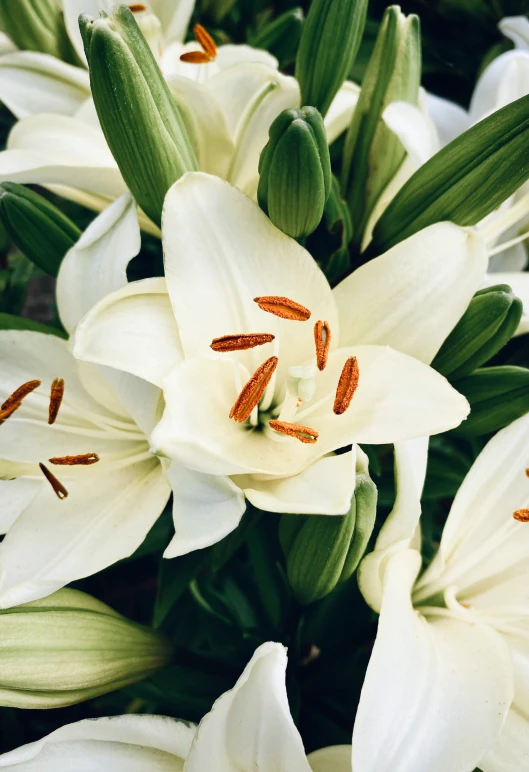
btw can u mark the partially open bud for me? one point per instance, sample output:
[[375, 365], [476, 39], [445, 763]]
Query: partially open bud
[[497, 396], [372, 152], [295, 172], [323, 550], [37, 25], [70, 647], [138, 115], [40, 230], [487, 325], [331, 37]]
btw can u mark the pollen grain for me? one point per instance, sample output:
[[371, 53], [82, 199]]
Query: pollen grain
[[14, 401], [347, 386], [84, 459], [56, 396], [283, 307], [241, 342], [322, 339], [301, 433], [253, 390], [522, 515]]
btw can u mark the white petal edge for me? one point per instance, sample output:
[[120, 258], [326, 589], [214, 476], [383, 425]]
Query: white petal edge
[[335, 758]]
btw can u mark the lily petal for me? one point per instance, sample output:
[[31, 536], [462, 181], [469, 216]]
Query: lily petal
[[336, 758], [414, 129], [505, 79], [32, 83], [250, 727], [511, 750], [449, 119], [516, 28], [97, 264], [341, 110], [121, 743], [134, 330], [451, 687], [174, 17], [206, 508], [424, 285], [15, 496]]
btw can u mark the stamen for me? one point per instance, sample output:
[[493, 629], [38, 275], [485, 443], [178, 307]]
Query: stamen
[[283, 307], [322, 338], [527, 472], [14, 401], [137, 7], [301, 433], [58, 487], [522, 515], [203, 37], [85, 459], [347, 386], [56, 395], [195, 57], [241, 342], [253, 390]]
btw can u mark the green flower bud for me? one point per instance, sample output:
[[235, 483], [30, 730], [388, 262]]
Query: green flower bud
[[497, 396], [327, 51], [138, 115], [40, 230], [37, 25], [295, 172], [281, 36], [372, 152], [487, 325], [70, 647], [323, 550]]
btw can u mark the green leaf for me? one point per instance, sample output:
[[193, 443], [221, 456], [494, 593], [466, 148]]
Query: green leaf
[[173, 580], [12, 322], [281, 36]]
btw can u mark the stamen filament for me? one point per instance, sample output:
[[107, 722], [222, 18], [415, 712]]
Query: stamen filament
[[241, 342], [84, 459], [14, 401], [253, 390], [58, 488], [322, 339], [56, 396], [302, 433], [283, 307], [347, 386], [507, 244]]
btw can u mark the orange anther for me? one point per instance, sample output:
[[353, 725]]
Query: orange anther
[[347, 385], [253, 390]]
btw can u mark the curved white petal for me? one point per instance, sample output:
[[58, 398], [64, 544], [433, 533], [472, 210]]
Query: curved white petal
[[516, 28], [505, 79], [449, 118], [336, 758], [221, 251], [511, 749], [121, 744], [134, 330], [31, 83], [324, 488], [482, 543], [72, 9], [206, 508], [97, 264], [174, 16], [15, 496], [105, 518], [519, 283], [414, 130], [402, 523], [341, 110], [412, 296], [436, 692], [250, 727]]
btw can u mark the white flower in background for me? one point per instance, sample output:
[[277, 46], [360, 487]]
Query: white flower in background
[[248, 728], [79, 487], [257, 396], [454, 645]]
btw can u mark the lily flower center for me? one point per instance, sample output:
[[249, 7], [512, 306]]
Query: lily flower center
[[254, 403], [209, 52]]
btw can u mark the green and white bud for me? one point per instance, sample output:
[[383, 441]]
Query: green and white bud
[[138, 115], [489, 322], [295, 172], [70, 647], [497, 396], [372, 152], [323, 550], [41, 231], [37, 25], [330, 40]]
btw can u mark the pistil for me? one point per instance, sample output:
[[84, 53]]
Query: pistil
[[56, 396], [322, 339], [58, 488], [302, 433], [84, 459], [347, 386], [253, 390], [14, 401], [241, 342], [283, 307]]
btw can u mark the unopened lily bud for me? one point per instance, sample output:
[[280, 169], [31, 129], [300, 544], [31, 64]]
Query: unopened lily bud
[[497, 396], [487, 325], [70, 647], [37, 25], [40, 230], [323, 550], [281, 36], [372, 152], [295, 172], [138, 115], [331, 37]]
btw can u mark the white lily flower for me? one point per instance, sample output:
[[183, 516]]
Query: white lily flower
[[455, 644], [249, 727], [116, 487], [221, 253]]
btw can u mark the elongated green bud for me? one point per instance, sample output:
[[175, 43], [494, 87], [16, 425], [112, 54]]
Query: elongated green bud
[[138, 115], [497, 396], [40, 230], [487, 325], [372, 152], [281, 36], [37, 25], [295, 172], [70, 647], [327, 51], [463, 183], [323, 550]]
